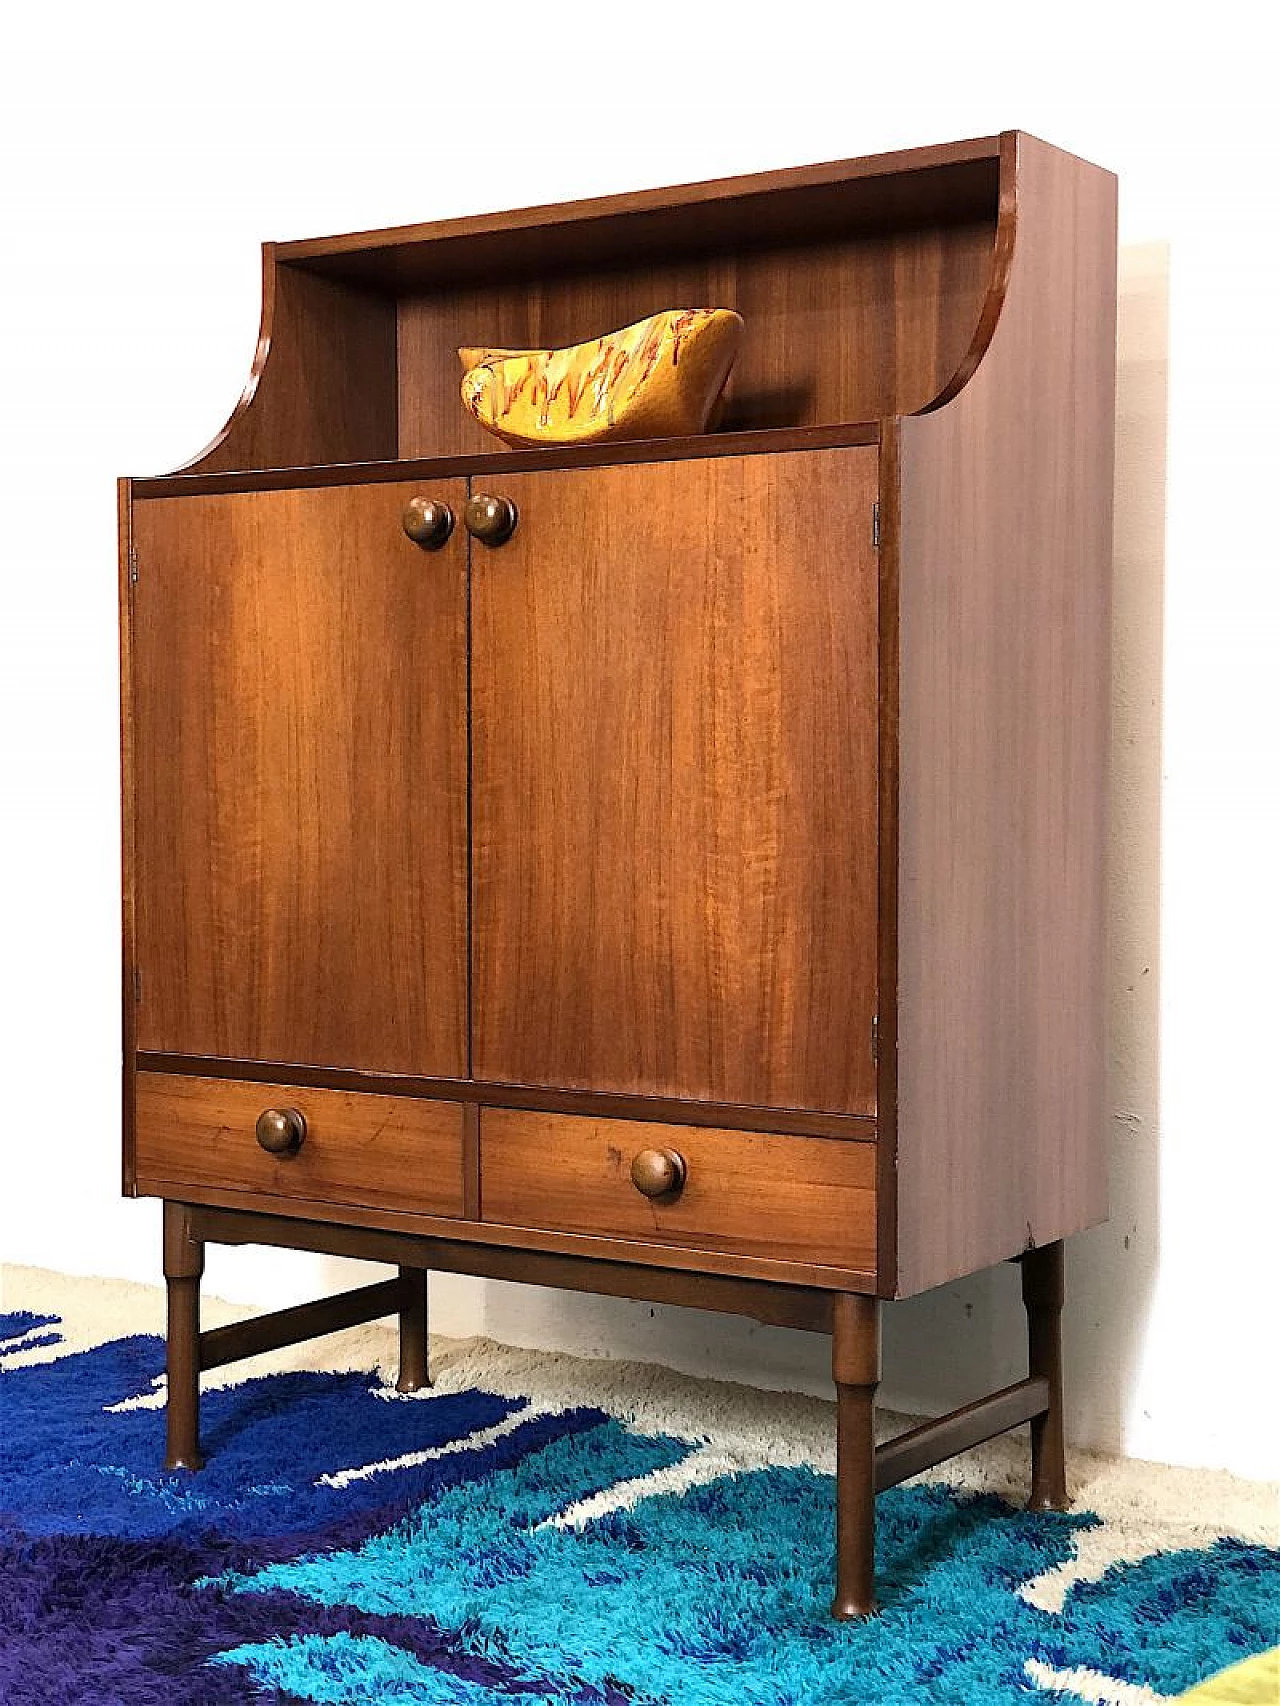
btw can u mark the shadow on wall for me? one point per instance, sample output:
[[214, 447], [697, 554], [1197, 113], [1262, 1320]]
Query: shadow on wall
[[952, 1344], [1113, 1268]]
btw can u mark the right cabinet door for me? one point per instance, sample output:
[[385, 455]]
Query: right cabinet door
[[674, 734]]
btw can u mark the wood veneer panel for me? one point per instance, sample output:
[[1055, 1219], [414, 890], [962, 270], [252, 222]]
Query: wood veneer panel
[[301, 781], [860, 278], [942, 184], [322, 387], [674, 783], [370, 1151], [887, 869], [491, 463], [850, 329], [128, 988], [1005, 568], [579, 1245], [859, 1128], [797, 1198]]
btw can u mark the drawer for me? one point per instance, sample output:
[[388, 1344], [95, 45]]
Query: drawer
[[369, 1151], [804, 1199]]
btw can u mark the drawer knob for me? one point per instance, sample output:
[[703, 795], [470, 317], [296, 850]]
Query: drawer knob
[[280, 1131], [490, 520], [658, 1172], [428, 522]]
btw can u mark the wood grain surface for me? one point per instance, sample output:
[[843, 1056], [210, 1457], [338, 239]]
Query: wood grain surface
[[373, 1151], [851, 328], [301, 781], [695, 1260], [887, 851], [938, 184], [128, 967], [807, 1199], [861, 281], [491, 463], [674, 783], [322, 387], [1005, 572], [806, 1122], [790, 1305]]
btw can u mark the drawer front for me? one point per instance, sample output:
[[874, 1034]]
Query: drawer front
[[368, 1151], [804, 1199]]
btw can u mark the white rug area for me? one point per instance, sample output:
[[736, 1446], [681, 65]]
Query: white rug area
[[1143, 1507]]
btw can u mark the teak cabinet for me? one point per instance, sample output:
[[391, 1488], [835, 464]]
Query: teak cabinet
[[697, 895]]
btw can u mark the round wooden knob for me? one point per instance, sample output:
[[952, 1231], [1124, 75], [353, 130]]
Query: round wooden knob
[[428, 522], [490, 520], [658, 1172], [280, 1131]]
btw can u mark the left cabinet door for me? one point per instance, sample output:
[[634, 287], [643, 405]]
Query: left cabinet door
[[300, 793]]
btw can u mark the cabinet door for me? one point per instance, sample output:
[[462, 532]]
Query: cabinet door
[[674, 781], [301, 778]]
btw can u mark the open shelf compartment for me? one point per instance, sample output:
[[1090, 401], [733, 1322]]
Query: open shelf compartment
[[866, 287]]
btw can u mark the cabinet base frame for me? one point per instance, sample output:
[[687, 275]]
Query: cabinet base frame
[[852, 1319]]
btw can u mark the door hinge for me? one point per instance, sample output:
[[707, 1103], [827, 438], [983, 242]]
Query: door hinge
[[875, 525], [137, 986], [875, 1037], [133, 565]]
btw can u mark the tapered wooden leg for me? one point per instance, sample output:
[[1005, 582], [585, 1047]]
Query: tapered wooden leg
[[855, 1367], [414, 1373], [1043, 1292], [183, 1267]]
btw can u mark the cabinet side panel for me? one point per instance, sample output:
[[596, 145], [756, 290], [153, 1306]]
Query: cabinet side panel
[[1005, 684], [323, 383], [124, 525]]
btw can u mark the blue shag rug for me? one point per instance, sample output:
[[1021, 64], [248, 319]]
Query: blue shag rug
[[346, 1545]]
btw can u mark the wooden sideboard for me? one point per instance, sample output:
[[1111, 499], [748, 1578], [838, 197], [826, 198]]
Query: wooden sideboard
[[697, 895]]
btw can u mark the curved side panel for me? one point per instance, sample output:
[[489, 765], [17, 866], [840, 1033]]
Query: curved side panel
[[1004, 682], [322, 387], [998, 286], [205, 460]]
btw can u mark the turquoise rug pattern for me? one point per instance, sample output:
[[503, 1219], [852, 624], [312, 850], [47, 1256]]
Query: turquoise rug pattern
[[345, 1544]]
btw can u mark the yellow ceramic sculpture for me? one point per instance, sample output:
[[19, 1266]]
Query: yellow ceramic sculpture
[[657, 379]]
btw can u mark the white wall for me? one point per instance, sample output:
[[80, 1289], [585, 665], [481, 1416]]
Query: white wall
[[136, 189]]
